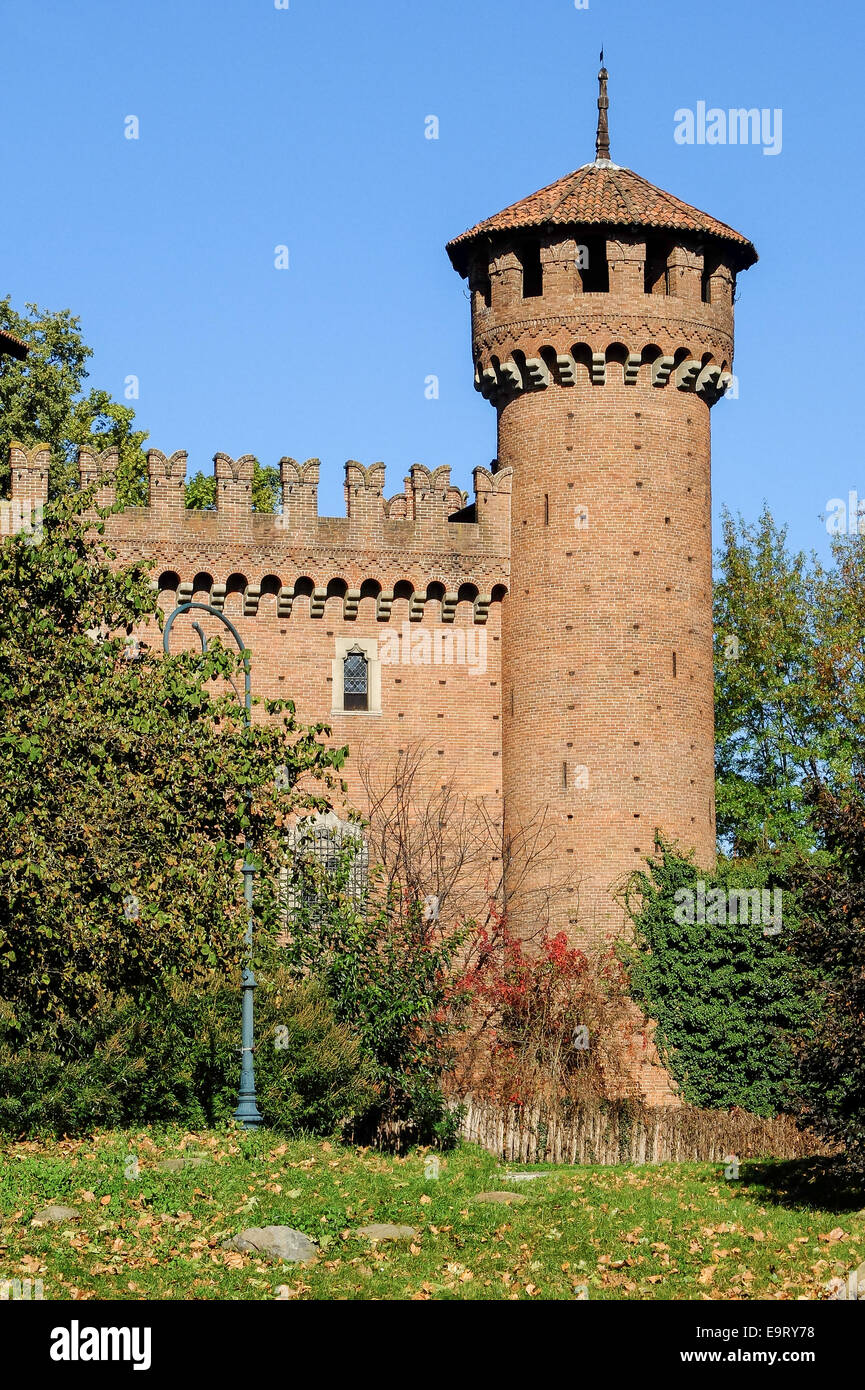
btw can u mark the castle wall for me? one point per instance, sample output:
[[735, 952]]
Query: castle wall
[[419, 593]]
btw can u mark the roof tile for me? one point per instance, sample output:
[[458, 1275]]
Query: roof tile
[[602, 194]]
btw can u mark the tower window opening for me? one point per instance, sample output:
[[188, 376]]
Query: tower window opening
[[355, 680], [674, 666], [594, 271], [546, 509], [533, 273], [324, 857], [484, 290], [706, 286], [655, 267]]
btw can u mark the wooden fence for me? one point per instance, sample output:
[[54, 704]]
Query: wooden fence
[[626, 1132]]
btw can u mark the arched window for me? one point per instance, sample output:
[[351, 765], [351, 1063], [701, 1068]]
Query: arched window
[[355, 679]]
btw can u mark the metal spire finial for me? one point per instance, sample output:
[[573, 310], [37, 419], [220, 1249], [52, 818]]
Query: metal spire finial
[[602, 142]]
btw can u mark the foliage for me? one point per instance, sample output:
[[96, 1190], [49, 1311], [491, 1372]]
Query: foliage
[[789, 701], [180, 1062], [126, 785], [389, 970], [838, 700], [43, 401], [266, 489], [766, 741], [730, 1001], [548, 1021], [832, 941]]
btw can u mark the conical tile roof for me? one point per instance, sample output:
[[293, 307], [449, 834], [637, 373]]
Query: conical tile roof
[[602, 194]]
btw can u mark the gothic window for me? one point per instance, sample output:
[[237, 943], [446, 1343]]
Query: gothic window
[[355, 679]]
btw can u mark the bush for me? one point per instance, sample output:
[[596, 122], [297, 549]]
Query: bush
[[730, 1002], [389, 971], [549, 1022], [180, 1063]]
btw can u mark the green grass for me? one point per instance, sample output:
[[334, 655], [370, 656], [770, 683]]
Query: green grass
[[673, 1231]]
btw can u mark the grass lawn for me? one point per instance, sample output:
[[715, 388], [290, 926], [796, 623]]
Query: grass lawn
[[666, 1232]]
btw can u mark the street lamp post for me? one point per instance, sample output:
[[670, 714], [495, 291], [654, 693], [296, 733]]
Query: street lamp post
[[247, 1112]]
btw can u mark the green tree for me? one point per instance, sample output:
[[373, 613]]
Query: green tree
[[766, 738], [43, 401], [789, 683], [837, 699], [127, 783]]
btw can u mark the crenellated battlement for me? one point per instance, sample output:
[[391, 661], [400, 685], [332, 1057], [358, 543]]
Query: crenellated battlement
[[428, 511], [426, 543]]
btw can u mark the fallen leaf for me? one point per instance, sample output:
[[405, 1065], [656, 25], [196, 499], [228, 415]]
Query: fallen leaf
[[837, 1233]]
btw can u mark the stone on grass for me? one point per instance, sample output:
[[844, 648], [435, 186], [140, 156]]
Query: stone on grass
[[176, 1165], [275, 1243], [507, 1199], [385, 1230], [54, 1215]]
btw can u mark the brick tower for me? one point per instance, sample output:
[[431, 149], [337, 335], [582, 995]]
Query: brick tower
[[602, 332]]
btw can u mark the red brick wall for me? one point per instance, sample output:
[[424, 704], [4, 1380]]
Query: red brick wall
[[593, 619], [608, 721]]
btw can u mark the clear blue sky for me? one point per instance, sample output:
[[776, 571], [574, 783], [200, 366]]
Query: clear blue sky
[[305, 127]]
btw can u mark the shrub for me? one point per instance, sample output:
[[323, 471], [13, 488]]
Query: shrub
[[180, 1063], [549, 1022], [389, 971], [729, 1001]]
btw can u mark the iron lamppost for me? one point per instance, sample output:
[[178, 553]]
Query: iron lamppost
[[247, 1112]]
